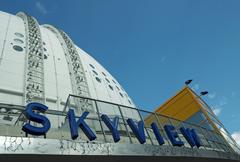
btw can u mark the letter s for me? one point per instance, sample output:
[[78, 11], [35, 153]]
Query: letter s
[[32, 116]]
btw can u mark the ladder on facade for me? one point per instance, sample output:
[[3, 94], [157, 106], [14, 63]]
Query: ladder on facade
[[76, 71], [34, 90]]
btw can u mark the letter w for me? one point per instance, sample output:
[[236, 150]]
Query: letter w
[[191, 136]]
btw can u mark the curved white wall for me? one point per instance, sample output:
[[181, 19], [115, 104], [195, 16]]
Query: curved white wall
[[102, 85]]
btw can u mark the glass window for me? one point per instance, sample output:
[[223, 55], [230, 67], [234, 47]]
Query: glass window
[[95, 72], [113, 81], [18, 48], [197, 118], [18, 41], [104, 74], [117, 88], [130, 102], [207, 125], [110, 87], [121, 94], [107, 80], [98, 79], [19, 35], [92, 66]]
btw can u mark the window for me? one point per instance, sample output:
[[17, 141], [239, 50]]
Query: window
[[121, 94], [19, 35], [44, 43], [17, 48], [110, 87], [113, 81], [130, 102], [45, 57], [104, 74], [98, 79], [95, 72], [117, 88], [44, 49], [107, 80], [92, 66], [18, 41]]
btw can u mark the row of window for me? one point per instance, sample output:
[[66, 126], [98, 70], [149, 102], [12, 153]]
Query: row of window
[[104, 75], [18, 40], [44, 50], [110, 86]]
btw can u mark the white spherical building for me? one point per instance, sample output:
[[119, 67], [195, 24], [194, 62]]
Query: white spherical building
[[41, 63]]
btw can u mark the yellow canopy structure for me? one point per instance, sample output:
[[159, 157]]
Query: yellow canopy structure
[[187, 107]]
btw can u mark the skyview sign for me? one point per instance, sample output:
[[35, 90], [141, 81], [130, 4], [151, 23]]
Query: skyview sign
[[137, 128]]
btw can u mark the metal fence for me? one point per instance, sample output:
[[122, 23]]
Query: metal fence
[[12, 119]]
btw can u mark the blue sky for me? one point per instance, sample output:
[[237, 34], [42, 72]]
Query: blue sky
[[153, 46]]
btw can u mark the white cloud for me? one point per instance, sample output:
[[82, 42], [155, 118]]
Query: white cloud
[[217, 111], [236, 137], [211, 95], [41, 8]]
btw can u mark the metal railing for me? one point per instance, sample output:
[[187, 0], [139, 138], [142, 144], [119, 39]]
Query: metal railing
[[11, 124]]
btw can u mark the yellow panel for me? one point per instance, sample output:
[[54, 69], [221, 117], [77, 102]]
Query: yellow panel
[[181, 107]]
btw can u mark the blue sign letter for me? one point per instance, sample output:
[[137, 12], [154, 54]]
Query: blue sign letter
[[138, 130], [157, 133], [112, 126], [80, 123], [191, 136], [32, 116], [172, 135]]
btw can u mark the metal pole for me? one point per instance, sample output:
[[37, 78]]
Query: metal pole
[[99, 118], [145, 127], [125, 124], [159, 123]]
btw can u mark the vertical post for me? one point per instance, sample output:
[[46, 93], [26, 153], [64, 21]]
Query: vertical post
[[144, 125], [159, 123], [99, 118], [66, 104], [64, 110], [125, 124]]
